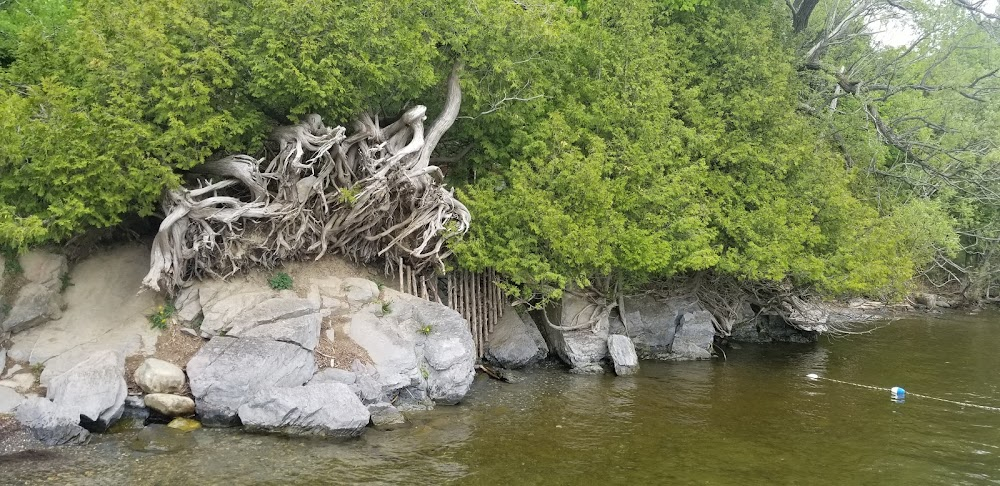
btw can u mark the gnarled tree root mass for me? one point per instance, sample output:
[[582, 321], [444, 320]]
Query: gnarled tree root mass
[[369, 195]]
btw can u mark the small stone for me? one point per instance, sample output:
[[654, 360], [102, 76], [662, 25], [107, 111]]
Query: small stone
[[190, 332], [170, 405], [158, 376], [184, 424]]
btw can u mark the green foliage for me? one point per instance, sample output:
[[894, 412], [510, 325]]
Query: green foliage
[[280, 281], [386, 306], [64, 282], [426, 329], [161, 318], [12, 264]]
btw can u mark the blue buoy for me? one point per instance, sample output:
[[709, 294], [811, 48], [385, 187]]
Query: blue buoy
[[898, 393]]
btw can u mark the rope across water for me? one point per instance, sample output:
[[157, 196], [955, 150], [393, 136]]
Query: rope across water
[[812, 376]]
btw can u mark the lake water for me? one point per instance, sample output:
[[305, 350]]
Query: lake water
[[750, 419]]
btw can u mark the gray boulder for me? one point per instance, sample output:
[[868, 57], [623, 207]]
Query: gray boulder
[[516, 341], [385, 416], [95, 389], [448, 351], [291, 320], [227, 371], [419, 350], [9, 399], [652, 322], [360, 292], [222, 302], [40, 299], [158, 376], [583, 348], [170, 405], [694, 336], [334, 375], [623, 355], [187, 305], [323, 409], [50, 423]]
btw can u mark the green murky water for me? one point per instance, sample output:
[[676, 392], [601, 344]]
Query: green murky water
[[752, 419]]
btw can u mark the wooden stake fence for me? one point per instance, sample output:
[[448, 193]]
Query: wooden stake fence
[[475, 296]]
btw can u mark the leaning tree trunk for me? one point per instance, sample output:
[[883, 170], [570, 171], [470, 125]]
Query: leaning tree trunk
[[369, 195]]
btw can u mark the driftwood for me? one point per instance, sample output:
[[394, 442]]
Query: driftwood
[[371, 195]]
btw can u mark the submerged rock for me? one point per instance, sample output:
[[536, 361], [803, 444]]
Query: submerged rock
[[226, 372], [95, 389], [184, 424], [170, 405], [158, 376], [384, 416], [516, 341], [160, 438], [50, 423], [324, 409], [623, 355]]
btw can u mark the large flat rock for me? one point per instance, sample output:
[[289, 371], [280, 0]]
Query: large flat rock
[[516, 341], [94, 388], [323, 409], [103, 313]]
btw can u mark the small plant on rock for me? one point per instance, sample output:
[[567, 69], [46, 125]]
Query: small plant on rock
[[386, 307], [161, 318], [64, 282], [424, 373], [426, 330], [281, 281]]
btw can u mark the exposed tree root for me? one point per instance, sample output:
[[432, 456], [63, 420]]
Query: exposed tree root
[[369, 195]]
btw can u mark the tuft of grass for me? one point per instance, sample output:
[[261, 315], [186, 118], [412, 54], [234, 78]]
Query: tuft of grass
[[64, 282], [280, 281], [348, 196], [426, 330], [386, 307], [424, 373], [161, 318]]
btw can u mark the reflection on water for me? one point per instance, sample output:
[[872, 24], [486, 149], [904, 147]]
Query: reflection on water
[[750, 419]]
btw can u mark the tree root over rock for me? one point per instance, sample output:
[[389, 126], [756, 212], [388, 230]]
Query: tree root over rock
[[370, 195]]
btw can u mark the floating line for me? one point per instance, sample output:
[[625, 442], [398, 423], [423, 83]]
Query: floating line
[[813, 376]]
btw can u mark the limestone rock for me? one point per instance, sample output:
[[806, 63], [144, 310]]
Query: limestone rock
[[222, 302], [291, 320], [227, 371], [652, 322], [578, 349], [50, 423], [516, 341], [385, 416], [334, 375], [449, 352], [360, 291], [158, 376], [188, 305], [170, 405], [95, 389], [39, 300], [20, 382], [622, 354], [103, 312], [9, 400], [324, 409], [694, 336], [44, 268], [33, 305]]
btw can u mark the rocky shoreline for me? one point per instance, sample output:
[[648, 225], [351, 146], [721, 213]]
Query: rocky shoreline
[[330, 356]]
